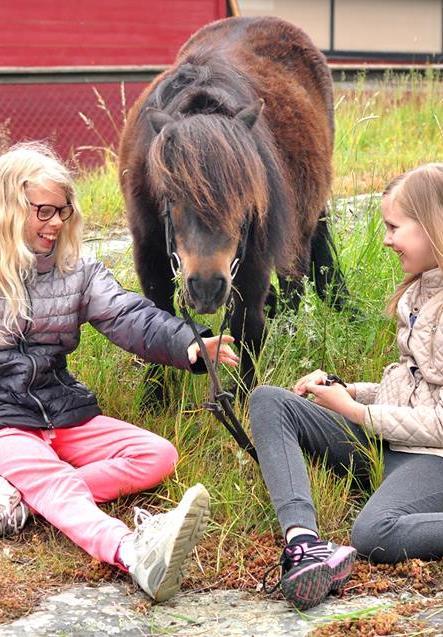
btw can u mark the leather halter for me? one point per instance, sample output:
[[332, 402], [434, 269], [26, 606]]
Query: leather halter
[[171, 251]]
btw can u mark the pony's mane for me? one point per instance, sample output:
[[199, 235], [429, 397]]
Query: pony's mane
[[204, 85], [210, 159]]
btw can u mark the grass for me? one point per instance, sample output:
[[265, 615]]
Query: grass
[[382, 129], [379, 133], [100, 197], [386, 128]]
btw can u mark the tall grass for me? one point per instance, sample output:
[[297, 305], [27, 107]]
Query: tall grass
[[100, 197], [381, 131], [355, 348], [385, 128]]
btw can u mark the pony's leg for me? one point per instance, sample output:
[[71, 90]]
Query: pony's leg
[[321, 268], [271, 302], [248, 319], [292, 288], [155, 276], [325, 271]]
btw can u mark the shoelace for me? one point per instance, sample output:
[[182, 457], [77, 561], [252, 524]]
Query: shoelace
[[144, 519], [292, 555], [9, 520]]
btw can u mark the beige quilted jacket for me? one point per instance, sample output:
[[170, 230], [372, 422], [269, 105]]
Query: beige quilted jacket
[[406, 407]]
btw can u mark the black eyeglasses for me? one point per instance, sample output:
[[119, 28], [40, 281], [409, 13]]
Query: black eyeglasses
[[46, 211]]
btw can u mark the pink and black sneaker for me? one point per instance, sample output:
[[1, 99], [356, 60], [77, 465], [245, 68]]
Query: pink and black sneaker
[[310, 570], [341, 561]]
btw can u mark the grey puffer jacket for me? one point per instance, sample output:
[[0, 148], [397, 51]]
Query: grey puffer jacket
[[36, 389]]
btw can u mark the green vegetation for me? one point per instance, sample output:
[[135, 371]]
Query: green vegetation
[[355, 348], [100, 197], [386, 128], [380, 132], [382, 129]]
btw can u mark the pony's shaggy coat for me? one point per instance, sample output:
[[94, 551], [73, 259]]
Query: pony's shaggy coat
[[273, 168]]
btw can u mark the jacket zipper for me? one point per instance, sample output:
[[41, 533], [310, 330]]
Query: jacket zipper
[[48, 422], [412, 315], [22, 348]]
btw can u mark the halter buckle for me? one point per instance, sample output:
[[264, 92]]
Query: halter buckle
[[234, 267], [175, 263]]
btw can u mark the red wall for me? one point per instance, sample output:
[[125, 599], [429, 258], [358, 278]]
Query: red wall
[[54, 33], [99, 32], [50, 112]]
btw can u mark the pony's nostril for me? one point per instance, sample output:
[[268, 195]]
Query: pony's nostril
[[193, 286], [207, 291], [219, 288]]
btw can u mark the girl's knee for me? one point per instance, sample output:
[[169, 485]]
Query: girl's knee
[[263, 394], [374, 538], [273, 409], [167, 456], [265, 404], [153, 460]]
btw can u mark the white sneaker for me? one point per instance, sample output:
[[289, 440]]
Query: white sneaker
[[162, 543], [13, 512]]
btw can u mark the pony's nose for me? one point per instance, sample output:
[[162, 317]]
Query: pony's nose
[[207, 294]]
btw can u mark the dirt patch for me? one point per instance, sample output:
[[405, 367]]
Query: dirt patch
[[42, 561], [399, 620]]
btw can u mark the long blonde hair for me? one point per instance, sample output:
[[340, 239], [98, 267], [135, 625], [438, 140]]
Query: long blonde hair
[[419, 194], [23, 165]]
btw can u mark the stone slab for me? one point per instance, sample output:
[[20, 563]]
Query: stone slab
[[86, 611]]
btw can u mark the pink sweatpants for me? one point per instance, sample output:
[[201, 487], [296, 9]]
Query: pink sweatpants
[[63, 473]]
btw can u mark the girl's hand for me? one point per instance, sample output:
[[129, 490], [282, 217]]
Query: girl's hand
[[226, 354], [337, 398], [317, 378]]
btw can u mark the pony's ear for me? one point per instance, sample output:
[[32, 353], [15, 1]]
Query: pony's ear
[[157, 119], [250, 114]]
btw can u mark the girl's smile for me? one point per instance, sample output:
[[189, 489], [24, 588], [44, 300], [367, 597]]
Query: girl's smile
[[40, 235], [407, 238]]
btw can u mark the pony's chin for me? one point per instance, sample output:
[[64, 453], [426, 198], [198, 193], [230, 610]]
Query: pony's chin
[[205, 309], [202, 308]]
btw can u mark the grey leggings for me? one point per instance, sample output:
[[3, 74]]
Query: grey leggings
[[403, 518]]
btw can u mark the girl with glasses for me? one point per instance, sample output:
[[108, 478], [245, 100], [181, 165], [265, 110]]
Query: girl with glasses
[[57, 450]]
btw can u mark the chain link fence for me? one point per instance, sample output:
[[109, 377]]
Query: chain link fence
[[81, 121]]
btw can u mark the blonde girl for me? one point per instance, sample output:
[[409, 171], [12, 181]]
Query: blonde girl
[[404, 517], [57, 450]]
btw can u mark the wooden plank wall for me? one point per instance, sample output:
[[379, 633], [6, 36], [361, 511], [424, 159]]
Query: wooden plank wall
[[51, 33]]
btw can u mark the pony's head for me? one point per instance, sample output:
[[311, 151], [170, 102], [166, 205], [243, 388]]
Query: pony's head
[[205, 170]]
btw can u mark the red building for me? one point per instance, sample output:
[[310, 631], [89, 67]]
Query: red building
[[70, 70]]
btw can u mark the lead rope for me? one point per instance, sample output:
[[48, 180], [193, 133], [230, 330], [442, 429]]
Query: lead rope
[[220, 401]]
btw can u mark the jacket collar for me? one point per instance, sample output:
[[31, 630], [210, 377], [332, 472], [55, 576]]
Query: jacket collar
[[431, 281], [45, 262]]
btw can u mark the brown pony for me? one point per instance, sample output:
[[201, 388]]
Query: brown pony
[[230, 149]]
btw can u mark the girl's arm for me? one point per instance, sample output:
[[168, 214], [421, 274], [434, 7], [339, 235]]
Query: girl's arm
[[365, 393], [420, 426], [134, 323]]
